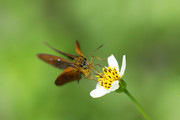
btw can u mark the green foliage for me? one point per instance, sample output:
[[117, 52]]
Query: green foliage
[[147, 32]]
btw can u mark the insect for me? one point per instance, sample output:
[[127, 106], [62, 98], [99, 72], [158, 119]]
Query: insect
[[72, 70]]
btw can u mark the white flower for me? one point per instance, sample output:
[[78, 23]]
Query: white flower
[[110, 80]]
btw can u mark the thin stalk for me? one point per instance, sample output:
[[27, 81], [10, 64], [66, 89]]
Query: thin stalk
[[136, 103]]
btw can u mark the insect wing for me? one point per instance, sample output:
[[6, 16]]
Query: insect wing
[[55, 61], [68, 75], [63, 53], [78, 50]]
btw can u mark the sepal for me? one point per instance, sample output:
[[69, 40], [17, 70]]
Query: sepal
[[122, 87]]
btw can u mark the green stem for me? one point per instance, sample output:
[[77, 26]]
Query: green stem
[[136, 103]]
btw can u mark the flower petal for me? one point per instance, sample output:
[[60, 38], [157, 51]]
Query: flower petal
[[123, 67], [98, 92], [101, 91], [112, 62], [97, 85], [114, 86]]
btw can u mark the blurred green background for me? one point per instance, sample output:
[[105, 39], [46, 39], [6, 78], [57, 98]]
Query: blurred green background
[[147, 32]]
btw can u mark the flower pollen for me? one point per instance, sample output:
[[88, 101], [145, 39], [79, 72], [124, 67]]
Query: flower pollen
[[109, 76]]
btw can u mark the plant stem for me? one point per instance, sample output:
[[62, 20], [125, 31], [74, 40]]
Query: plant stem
[[136, 103]]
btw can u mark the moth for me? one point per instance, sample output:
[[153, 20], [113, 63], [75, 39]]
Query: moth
[[72, 70]]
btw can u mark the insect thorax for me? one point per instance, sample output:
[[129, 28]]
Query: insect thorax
[[83, 65]]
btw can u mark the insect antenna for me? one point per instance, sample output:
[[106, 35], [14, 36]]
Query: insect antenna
[[99, 47], [95, 51], [96, 56]]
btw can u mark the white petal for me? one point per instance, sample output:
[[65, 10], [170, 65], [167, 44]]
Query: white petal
[[112, 62], [101, 91], [123, 67], [115, 86], [98, 92], [97, 86]]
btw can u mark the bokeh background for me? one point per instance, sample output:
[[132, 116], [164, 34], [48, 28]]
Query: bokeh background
[[147, 32]]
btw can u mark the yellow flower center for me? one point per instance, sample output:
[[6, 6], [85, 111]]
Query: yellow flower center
[[109, 76]]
